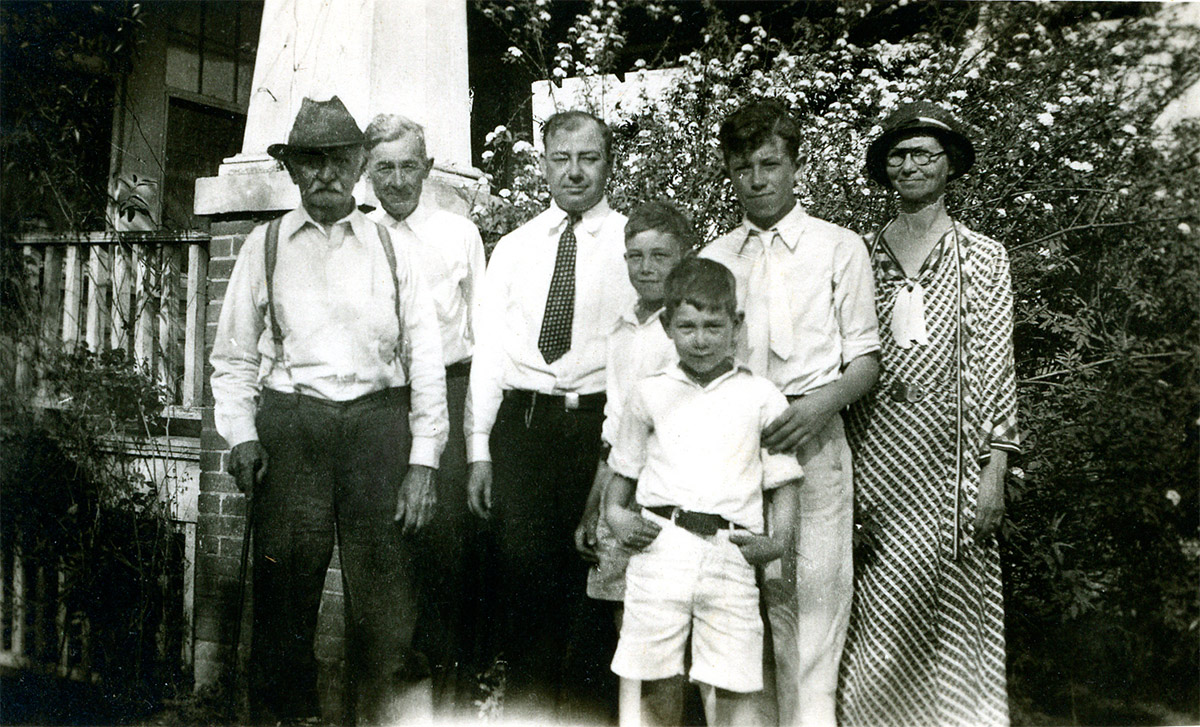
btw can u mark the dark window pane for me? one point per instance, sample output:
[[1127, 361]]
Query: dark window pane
[[183, 67], [199, 138]]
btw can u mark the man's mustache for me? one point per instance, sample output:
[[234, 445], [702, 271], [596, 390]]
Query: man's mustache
[[321, 187]]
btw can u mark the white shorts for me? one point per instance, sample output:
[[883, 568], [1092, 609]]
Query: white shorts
[[684, 583]]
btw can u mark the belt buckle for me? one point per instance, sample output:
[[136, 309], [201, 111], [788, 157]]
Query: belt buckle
[[903, 391], [571, 401], [698, 525]]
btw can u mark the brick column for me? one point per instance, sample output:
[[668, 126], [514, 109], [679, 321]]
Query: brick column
[[222, 520]]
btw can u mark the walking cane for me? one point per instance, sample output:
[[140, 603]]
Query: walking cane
[[241, 588]]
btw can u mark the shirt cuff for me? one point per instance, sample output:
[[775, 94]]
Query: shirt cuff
[[626, 469], [1010, 447], [239, 432], [424, 452], [478, 449]]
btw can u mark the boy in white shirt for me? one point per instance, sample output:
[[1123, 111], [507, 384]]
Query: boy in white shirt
[[657, 236], [690, 443]]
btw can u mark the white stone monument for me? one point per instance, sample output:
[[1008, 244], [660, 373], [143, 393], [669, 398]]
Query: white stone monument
[[379, 56]]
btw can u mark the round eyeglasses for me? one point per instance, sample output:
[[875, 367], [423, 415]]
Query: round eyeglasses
[[920, 157]]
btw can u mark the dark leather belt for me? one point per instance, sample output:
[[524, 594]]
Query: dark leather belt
[[568, 402], [700, 523], [459, 369], [395, 396]]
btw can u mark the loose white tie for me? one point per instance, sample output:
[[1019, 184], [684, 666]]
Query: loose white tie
[[908, 316], [769, 313]]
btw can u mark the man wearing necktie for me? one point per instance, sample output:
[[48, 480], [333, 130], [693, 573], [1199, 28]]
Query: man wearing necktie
[[553, 290], [806, 288]]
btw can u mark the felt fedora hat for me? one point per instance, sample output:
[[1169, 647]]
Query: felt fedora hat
[[921, 117], [319, 125]]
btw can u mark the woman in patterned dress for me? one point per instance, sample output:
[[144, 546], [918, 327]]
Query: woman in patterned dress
[[931, 444]]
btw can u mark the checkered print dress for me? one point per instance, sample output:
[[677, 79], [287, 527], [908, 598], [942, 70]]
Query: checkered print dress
[[926, 638]]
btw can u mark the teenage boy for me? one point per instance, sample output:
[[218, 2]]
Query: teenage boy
[[657, 236], [808, 295], [690, 442]]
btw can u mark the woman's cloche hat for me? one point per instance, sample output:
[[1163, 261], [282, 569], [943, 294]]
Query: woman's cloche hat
[[319, 126], [921, 117]]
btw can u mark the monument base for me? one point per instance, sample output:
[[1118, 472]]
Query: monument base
[[259, 183]]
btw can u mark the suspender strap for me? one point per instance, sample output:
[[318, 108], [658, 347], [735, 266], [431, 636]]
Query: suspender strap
[[405, 349], [271, 254], [390, 253]]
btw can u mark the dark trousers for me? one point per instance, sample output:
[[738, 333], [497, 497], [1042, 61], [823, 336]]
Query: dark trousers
[[556, 641], [449, 569], [334, 470]]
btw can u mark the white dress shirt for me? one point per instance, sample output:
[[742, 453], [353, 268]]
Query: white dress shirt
[[509, 310], [820, 275], [700, 447], [450, 254], [636, 349], [336, 303]]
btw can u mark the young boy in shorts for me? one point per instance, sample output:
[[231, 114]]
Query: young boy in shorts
[[657, 237], [689, 443]]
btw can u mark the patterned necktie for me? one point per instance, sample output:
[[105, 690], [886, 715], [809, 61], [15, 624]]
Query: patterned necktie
[[555, 337]]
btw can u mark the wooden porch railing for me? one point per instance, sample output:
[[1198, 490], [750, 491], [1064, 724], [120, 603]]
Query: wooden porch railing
[[38, 631], [145, 293]]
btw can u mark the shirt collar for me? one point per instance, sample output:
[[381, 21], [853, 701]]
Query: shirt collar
[[419, 215], [590, 221], [789, 228], [385, 218], [674, 371], [299, 218], [629, 317]]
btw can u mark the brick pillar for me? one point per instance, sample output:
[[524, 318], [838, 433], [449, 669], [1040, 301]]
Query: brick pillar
[[222, 520]]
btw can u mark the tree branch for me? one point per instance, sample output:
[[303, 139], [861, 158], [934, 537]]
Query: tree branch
[[1076, 228], [1101, 362]]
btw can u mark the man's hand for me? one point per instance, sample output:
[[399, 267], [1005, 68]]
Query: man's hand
[[417, 499], [248, 465], [799, 423], [757, 549], [631, 529], [585, 533], [479, 489], [989, 508]]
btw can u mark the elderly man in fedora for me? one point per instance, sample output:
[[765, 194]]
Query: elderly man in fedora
[[330, 387]]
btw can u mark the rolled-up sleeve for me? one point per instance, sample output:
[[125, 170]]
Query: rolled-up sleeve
[[628, 455], [428, 417], [854, 298], [778, 469], [235, 358]]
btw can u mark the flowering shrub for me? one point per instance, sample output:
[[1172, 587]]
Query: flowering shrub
[[1097, 207]]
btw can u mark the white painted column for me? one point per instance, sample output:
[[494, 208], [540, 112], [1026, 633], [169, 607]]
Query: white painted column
[[379, 56]]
